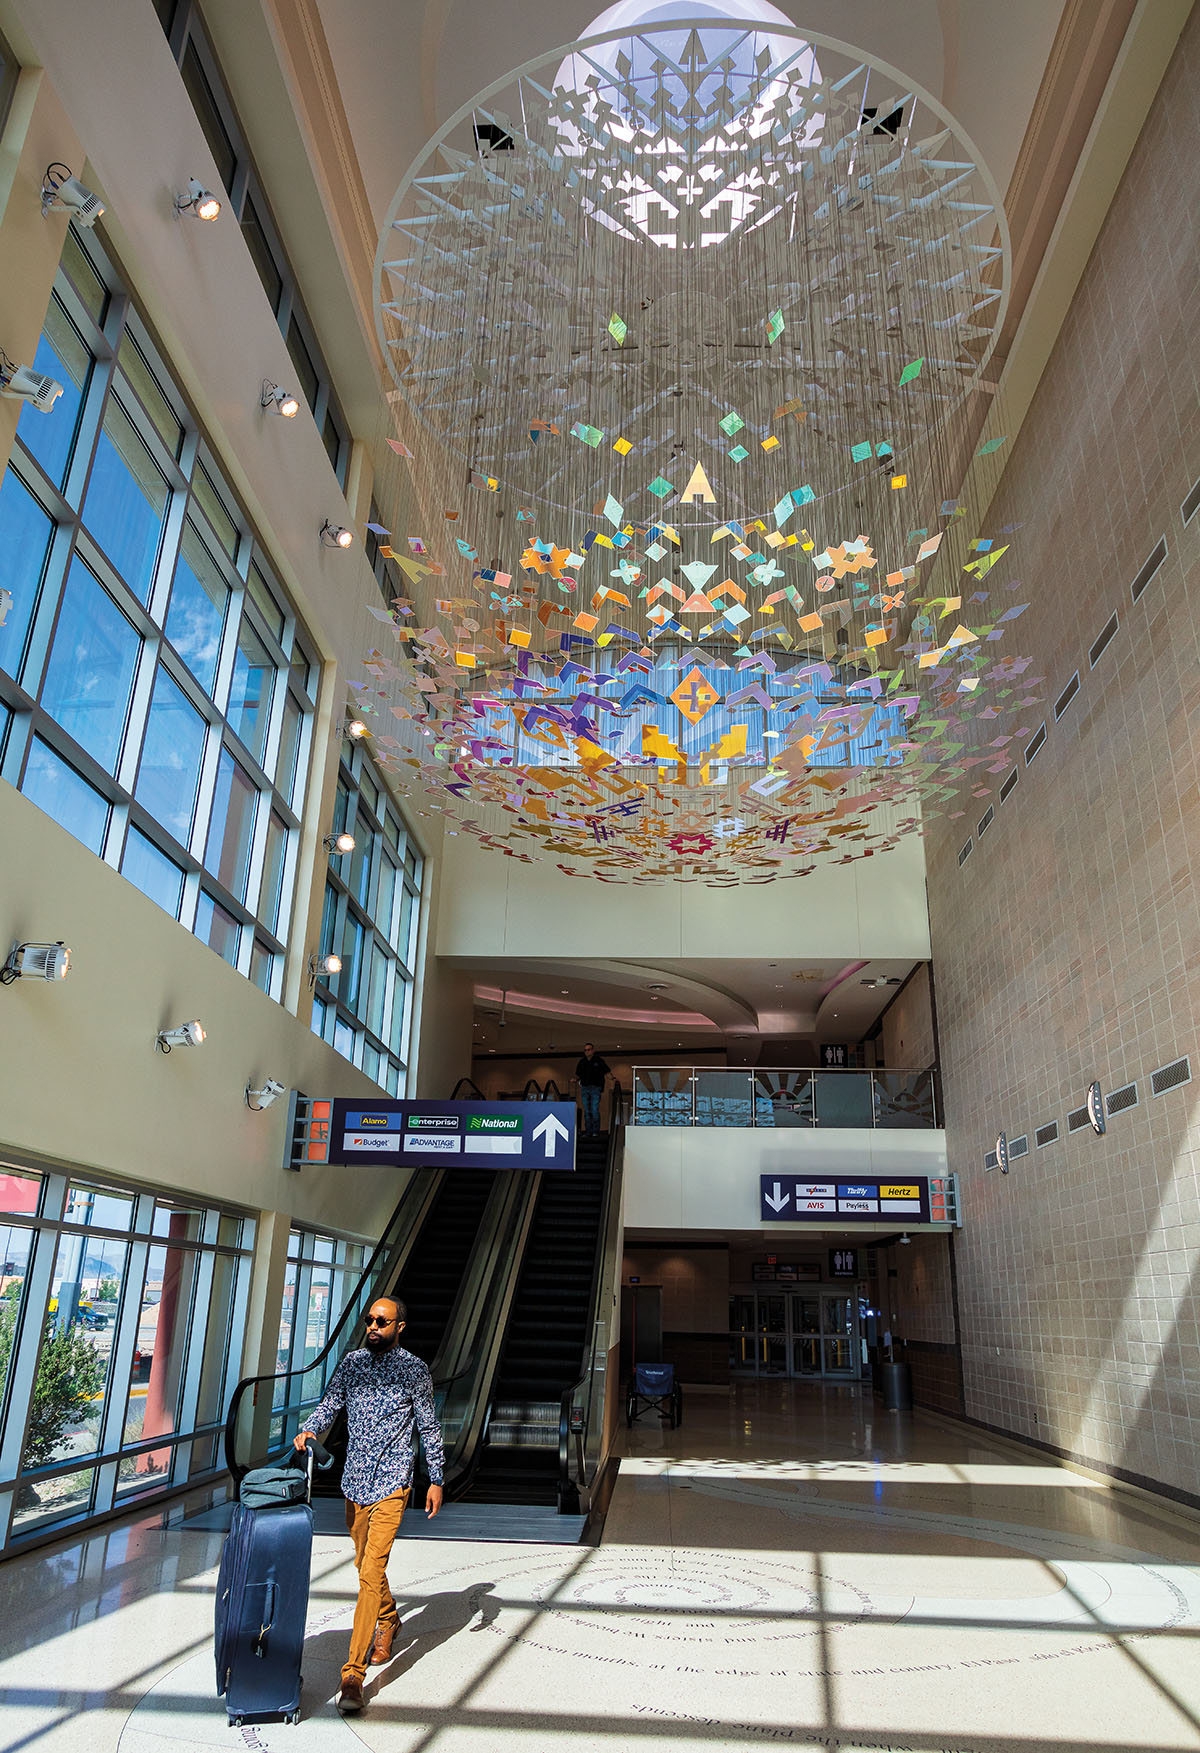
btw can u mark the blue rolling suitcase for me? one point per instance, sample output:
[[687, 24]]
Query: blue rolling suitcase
[[262, 1599]]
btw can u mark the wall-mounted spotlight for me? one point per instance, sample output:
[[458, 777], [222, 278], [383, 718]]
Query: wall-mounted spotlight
[[336, 535], [6, 603], [320, 966], [186, 1035], [278, 401], [36, 961], [906, 1241], [64, 193], [21, 383], [356, 730], [270, 1092], [198, 203], [338, 843]]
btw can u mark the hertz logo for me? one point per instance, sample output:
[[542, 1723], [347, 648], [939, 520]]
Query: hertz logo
[[899, 1192]]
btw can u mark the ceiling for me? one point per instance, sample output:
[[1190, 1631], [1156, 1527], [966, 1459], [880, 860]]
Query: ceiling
[[403, 70], [694, 1002]]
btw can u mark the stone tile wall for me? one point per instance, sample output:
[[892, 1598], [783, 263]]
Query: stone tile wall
[[1067, 947]]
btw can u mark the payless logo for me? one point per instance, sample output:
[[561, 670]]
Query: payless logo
[[432, 1123], [493, 1123]]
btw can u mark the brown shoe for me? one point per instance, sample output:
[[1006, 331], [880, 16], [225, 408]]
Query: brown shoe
[[381, 1649], [350, 1698]]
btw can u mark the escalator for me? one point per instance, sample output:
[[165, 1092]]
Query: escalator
[[506, 1280], [432, 1276], [549, 1330]]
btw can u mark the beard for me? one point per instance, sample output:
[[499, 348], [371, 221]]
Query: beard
[[376, 1340]]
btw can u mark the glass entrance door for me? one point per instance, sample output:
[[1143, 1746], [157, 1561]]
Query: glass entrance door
[[811, 1335], [839, 1336], [805, 1328]]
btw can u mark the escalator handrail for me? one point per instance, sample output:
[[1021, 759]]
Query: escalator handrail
[[472, 1088], [616, 1131], [549, 1086], [533, 1091], [387, 1241]]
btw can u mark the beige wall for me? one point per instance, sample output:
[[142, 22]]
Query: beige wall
[[1066, 945], [83, 1082], [706, 1178], [493, 907]]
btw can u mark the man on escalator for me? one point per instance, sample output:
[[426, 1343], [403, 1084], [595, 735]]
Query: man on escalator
[[384, 1391], [590, 1074]]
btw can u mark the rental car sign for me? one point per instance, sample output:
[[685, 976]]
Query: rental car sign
[[467, 1135]]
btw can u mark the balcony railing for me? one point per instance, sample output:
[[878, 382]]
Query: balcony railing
[[689, 1095]]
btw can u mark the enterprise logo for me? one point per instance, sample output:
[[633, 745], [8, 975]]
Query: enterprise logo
[[432, 1122]]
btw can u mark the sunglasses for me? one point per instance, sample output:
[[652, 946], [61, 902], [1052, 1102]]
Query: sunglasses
[[379, 1320]]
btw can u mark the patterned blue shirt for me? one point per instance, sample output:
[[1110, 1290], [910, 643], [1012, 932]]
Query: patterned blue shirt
[[383, 1394]]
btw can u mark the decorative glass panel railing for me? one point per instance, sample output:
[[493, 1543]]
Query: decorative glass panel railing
[[687, 1095]]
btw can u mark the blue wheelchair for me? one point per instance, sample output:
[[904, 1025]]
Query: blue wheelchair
[[654, 1389]]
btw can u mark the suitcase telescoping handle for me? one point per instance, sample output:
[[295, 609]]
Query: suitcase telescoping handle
[[316, 1455]]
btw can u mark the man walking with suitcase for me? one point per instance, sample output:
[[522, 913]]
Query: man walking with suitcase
[[384, 1391]]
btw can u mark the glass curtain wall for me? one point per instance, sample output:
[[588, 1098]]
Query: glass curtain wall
[[122, 1314], [321, 1275], [370, 920], [156, 694]]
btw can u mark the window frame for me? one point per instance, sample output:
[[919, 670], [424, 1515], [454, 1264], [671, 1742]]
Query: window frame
[[70, 542], [341, 1017], [186, 31], [47, 1227]]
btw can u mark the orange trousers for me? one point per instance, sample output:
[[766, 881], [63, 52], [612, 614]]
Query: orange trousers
[[373, 1527]]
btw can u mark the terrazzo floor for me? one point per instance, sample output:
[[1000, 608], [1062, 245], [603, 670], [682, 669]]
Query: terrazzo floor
[[791, 1566]]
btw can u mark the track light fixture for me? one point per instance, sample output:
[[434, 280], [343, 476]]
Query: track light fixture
[[270, 1092], [21, 383], [6, 603], [36, 961], [906, 1241], [320, 966], [338, 843], [186, 1035], [336, 535], [197, 203], [64, 193], [278, 401]]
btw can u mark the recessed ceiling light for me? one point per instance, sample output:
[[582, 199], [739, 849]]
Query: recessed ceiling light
[[656, 986], [564, 990]]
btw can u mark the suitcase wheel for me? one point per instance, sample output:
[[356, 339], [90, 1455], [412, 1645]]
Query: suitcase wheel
[[235, 1722], [294, 1718]]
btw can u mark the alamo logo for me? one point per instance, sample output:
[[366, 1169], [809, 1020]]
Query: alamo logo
[[494, 1123]]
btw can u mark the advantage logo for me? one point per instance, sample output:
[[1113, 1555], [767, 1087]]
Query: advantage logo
[[494, 1123]]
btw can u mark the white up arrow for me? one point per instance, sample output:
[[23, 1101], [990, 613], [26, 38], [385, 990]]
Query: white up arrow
[[777, 1199], [551, 1129]]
